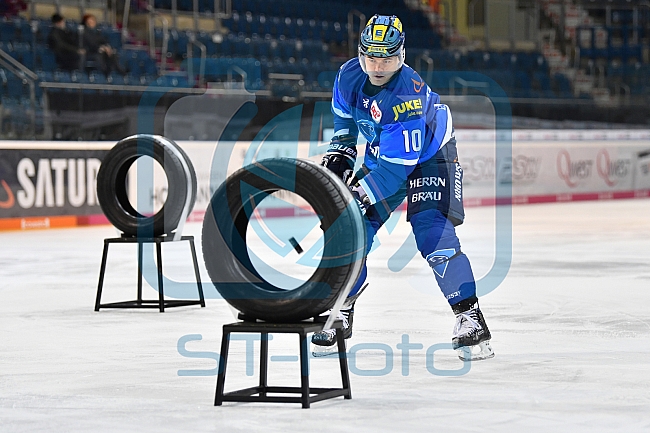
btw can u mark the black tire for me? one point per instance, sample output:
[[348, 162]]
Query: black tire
[[224, 239], [112, 186]]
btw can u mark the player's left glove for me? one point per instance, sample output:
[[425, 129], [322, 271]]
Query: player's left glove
[[361, 197], [341, 156]]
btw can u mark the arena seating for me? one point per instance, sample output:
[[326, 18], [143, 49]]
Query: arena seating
[[285, 47]]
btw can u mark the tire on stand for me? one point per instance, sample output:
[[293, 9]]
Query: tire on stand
[[224, 239], [112, 192]]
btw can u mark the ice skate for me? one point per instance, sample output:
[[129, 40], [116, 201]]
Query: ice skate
[[324, 342], [471, 337]]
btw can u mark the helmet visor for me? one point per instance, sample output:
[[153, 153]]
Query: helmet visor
[[381, 66]]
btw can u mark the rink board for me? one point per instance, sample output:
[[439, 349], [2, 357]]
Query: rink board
[[52, 184]]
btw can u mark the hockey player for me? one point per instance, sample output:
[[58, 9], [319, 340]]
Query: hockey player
[[410, 152]]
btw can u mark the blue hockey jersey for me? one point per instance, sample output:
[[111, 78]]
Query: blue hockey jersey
[[404, 124]]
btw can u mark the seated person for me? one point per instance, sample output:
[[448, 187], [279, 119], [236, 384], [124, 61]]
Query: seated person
[[65, 45], [99, 54]]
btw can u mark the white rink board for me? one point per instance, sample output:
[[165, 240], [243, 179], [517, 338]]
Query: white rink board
[[545, 165]]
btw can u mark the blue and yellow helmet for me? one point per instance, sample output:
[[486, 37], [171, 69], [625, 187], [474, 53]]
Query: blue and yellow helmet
[[382, 37]]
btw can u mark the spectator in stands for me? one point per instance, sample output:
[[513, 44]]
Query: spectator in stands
[[99, 54], [65, 45]]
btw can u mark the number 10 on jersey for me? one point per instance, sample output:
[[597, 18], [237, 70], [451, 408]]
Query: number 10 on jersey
[[414, 142]]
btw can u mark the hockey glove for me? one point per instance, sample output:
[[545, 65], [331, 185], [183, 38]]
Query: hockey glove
[[341, 156], [359, 194]]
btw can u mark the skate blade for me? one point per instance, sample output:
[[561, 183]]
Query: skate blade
[[323, 351], [478, 352]]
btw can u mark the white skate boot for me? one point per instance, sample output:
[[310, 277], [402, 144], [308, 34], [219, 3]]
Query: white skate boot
[[471, 337], [325, 341]]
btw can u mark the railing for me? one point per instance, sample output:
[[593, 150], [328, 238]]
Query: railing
[[125, 21], [527, 19], [22, 72], [239, 71], [153, 14], [222, 10], [429, 62], [352, 35], [135, 88], [227, 10], [465, 85], [83, 6], [190, 55]]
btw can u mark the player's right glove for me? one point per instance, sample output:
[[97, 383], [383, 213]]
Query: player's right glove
[[341, 156]]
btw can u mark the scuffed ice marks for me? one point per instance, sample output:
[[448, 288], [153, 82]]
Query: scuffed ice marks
[[576, 267]]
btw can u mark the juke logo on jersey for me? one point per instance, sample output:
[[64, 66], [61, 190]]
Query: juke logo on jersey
[[414, 107]]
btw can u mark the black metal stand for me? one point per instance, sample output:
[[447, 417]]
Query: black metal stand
[[307, 395], [160, 303]]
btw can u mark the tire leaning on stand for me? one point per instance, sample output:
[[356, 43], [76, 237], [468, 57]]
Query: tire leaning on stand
[[112, 191], [224, 239]]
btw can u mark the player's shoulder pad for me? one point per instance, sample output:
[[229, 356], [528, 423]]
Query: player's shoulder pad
[[411, 82], [351, 64], [410, 97], [350, 75]]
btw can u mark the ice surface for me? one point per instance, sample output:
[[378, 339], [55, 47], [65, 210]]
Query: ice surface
[[570, 327]]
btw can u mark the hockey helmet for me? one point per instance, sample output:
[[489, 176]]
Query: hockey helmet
[[382, 37]]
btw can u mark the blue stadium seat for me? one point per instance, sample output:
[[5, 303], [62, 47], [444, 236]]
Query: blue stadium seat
[[43, 32], [563, 86], [225, 48], [114, 37], [62, 77], [47, 60], [543, 84], [206, 6], [15, 87], [115, 78], [287, 49], [185, 5], [261, 49], [7, 30], [242, 47], [522, 84], [206, 39], [46, 76], [163, 4]]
